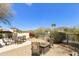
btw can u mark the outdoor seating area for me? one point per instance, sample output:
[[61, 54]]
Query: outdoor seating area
[[39, 29], [9, 38]]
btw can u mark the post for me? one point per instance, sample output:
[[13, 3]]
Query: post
[[67, 38], [75, 41]]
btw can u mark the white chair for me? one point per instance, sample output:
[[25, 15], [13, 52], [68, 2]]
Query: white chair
[[1, 42]]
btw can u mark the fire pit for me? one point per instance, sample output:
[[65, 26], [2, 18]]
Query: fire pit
[[44, 47]]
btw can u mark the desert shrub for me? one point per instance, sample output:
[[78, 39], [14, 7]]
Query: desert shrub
[[1, 36], [74, 37], [31, 35], [77, 37], [58, 37], [37, 35]]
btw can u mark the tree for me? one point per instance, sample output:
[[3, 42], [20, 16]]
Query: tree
[[5, 13], [57, 37], [41, 31], [52, 26]]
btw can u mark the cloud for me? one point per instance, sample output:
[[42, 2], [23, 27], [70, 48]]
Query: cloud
[[29, 4]]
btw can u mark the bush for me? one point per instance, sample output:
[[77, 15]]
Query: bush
[[58, 37], [31, 35], [73, 37], [39, 35]]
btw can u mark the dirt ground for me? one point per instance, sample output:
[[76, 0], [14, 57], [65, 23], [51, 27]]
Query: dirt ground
[[56, 50], [22, 51]]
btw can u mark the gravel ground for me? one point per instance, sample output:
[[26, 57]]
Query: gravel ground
[[25, 50]]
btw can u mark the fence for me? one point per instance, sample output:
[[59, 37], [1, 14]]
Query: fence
[[72, 40]]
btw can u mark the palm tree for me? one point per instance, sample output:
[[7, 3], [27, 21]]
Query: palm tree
[[53, 25]]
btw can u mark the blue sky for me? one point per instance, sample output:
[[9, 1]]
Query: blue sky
[[43, 15]]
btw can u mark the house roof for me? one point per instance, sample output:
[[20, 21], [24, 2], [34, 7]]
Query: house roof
[[5, 31]]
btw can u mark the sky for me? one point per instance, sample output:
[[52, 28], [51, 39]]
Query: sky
[[35, 15]]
